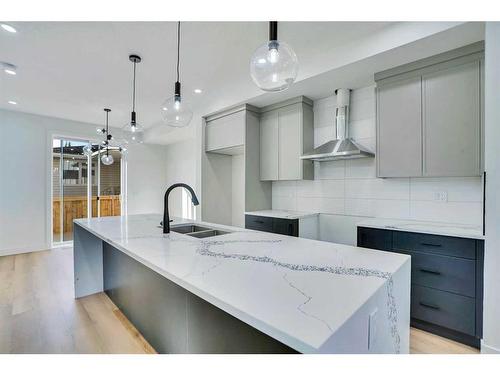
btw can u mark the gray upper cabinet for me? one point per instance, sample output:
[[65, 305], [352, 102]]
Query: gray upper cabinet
[[290, 143], [268, 146], [286, 132], [225, 133], [451, 121], [399, 136], [429, 116]]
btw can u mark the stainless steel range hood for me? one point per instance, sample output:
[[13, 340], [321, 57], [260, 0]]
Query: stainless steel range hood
[[343, 147]]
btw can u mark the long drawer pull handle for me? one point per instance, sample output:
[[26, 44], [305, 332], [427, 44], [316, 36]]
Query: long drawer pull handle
[[430, 271], [431, 244], [259, 221], [430, 306]]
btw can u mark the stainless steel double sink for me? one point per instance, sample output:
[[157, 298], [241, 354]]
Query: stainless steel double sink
[[197, 231]]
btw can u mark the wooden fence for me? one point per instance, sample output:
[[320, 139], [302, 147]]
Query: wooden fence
[[76, 208]]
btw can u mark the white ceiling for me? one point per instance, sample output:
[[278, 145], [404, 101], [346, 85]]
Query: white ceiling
[[73, 70]]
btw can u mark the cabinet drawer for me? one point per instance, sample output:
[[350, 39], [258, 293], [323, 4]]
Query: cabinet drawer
[[379, 239], [443, 308], [456, 275], [259, 223], [441, 245], [289, 227]]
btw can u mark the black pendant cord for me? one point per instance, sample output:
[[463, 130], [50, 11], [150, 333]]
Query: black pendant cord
[[177, 89], [178, 47], [273, 30]]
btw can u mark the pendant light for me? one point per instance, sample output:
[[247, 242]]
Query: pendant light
[[176, 111], [274, 65], [132, 131], [107, 158]]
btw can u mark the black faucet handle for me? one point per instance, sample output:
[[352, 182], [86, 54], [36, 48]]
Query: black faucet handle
[[161, 222]]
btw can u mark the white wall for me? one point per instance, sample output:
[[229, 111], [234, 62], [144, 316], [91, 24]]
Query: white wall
[[491, 341], [146, 178], [345, 192], [180, 161], [25, 166]]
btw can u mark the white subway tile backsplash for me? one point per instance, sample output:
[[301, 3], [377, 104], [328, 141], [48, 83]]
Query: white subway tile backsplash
[[284, 203], [362, 109], [284, 189], [383, 208], [320, 188], [345, 190], [324, 117], [364, 93], [323, 135], [321, 205], [458, 189], [360, 168], [329, 170], [447, 212], [362, 129], [378, 188]]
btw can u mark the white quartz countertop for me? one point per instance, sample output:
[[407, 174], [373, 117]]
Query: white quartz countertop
[[282, 214], [295, 290], [454, 230]]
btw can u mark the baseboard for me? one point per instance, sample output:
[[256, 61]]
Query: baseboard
[[486, 349]]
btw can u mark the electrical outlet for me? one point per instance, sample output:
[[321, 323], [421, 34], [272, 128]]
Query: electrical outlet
[[372, 329], [441, 196]]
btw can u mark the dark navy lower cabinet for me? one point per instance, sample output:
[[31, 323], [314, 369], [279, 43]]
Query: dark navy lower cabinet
[[289, 227], [446, 280]]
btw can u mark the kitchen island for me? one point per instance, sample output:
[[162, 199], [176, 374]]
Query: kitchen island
[[244, 291]]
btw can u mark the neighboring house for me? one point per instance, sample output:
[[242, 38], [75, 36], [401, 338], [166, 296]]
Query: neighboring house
[[75, 173]]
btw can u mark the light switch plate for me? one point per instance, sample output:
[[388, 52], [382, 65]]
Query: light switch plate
[[372, 329]]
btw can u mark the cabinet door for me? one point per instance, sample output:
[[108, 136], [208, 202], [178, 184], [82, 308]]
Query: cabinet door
[[290, 143], [289, 227], [399, 129], [269, 146], [372, 238], [225, 132], [452, 121]]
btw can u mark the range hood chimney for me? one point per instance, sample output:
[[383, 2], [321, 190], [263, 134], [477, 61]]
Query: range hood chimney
[[343, 147]]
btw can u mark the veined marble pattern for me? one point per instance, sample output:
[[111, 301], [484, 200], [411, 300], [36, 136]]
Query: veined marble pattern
[[310, 295], [205, 248]]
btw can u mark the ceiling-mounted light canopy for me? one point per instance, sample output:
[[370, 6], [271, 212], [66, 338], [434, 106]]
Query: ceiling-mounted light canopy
[[274, 65], [107, 158], [176, 111], [133, 131]]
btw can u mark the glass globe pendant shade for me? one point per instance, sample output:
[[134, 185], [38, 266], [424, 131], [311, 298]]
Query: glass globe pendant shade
[[176, 112], [133, 133], [87, 149], [107, 159], [274, 66]]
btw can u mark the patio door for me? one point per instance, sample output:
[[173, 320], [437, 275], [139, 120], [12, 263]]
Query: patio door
[[82, 186]]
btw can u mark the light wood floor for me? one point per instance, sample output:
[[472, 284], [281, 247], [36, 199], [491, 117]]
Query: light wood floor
[[38, 313]]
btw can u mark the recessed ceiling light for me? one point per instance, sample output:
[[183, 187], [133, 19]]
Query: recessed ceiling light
[[198, 91], [8, 28], [12, 102], [9, 68]]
